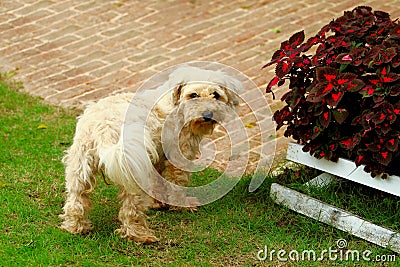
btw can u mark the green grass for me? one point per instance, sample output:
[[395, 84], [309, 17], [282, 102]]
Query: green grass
[[228, 232]]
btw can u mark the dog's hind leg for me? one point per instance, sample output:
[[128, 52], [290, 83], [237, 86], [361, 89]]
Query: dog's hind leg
[[79, 183], [133, 218]]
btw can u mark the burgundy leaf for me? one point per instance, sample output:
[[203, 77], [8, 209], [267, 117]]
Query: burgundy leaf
[[281, 82], [340, 115], [378, 118], [359, 159], [312, 41], [326, 88], [320, 154], [318, 92], [355, 85], [286, 96], [316, 132], [388, 54], [334, 98], [374, 147], [356, 120], [383, 157], [338, 42], [325, 119], [273, 82], [380, 54], [347, 142], [396, 109], [383, 129], [396, 61], [297, 38], [382, 15], [368, 91], [350, 142], [345, 78], [391, 77], [285, 46], [294, 99], [374, 81], [357, 54], [344, 58], [283, 68], [326, 74], [276, 57], [332, 146], [392, 144], [322, 32], [395, 32]]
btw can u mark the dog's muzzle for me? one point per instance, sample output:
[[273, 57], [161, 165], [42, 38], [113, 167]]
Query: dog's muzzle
[[207, 115]]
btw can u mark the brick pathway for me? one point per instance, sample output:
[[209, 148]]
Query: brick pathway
[[69, 52]]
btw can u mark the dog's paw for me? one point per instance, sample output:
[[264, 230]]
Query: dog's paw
[[139, 235], [143, 239], [75, 226]]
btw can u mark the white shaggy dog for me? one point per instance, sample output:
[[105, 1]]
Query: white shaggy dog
[[130, 137]]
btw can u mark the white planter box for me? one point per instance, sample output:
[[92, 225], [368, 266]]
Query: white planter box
[[335, 217], [345, 169], [329, 214]]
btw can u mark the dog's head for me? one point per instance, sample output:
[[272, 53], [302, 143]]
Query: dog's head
[[203, 97]]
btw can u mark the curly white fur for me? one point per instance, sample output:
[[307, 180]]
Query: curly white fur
[[122, 135]]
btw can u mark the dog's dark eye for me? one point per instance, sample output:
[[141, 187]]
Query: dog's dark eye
[[216, 95], [193, 95]]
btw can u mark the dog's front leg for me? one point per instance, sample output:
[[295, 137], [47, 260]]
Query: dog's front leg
[[75, 216], [178, 196], [133, 218]]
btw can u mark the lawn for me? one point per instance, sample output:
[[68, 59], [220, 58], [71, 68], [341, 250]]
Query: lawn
[[228, 232]]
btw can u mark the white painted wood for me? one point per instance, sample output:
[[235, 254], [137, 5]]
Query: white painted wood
[[344, 168], [335, 217], [322, 180]]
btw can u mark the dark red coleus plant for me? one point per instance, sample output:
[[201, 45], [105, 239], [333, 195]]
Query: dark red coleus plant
[[344, 99]]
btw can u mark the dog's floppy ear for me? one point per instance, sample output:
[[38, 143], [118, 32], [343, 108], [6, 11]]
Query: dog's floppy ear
[[176, 95], [232, 88], [233, 101]]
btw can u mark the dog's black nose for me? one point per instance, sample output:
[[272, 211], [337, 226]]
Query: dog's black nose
[[207, 115]]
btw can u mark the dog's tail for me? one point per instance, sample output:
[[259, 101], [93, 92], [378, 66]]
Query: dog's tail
[[129, 163]]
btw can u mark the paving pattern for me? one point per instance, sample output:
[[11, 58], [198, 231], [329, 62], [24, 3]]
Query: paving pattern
[[71, 52]]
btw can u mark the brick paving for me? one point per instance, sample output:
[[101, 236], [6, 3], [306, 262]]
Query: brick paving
[[71, 52]]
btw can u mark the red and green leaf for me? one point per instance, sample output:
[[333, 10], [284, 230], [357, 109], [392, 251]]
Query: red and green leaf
[[392, 144], [325, 119], [334, 98], [355, 85], [296, 39], [383, 157], [340, 115], [283, 68], [357, 52], [326, 75]]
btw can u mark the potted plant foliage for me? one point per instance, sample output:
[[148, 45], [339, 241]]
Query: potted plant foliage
[[344, 98]]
